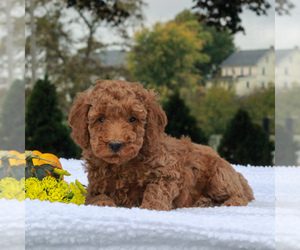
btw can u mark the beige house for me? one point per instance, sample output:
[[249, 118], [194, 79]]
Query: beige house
[[287, 64], [248, 70]]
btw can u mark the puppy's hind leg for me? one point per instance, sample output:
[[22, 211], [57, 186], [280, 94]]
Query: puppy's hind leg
[[226, 187]]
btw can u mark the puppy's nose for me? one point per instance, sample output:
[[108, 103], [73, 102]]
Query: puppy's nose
[[115, 146]]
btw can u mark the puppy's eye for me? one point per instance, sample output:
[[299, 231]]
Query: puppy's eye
[[132, 119], [101, 119]]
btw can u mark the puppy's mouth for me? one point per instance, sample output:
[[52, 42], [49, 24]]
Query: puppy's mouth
[[116, 152], [115, 158], [119, 157]]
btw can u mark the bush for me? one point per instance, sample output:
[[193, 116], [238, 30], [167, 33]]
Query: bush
[[245, 143], [44, 123], [180, 122]]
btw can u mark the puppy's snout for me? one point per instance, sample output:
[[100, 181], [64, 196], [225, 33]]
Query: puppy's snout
[[115, 146]]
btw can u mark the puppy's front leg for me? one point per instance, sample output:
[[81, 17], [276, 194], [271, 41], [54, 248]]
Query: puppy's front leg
[[160, 196], [99, 200]]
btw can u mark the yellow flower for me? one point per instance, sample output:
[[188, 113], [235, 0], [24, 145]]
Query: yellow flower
[[56, 195], [64, 186], [30, 182], [47, 189], [49, 183], [10, 188], [43, 196], [74, 188], [20, 196], [61, 172], [81, 188], [33, 188], [78, 199]]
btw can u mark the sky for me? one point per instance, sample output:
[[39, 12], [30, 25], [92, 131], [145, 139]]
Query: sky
[[261, 31]]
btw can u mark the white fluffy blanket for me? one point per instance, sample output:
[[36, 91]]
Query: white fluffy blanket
[[45, 225]]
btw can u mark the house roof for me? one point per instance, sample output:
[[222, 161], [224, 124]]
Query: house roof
[[244, 57], [113, 58], [281, 54]]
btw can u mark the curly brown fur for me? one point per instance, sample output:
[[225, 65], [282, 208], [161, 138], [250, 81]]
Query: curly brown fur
[[149, 169]]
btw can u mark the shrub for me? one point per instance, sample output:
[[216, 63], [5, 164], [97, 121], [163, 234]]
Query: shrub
[[44, 123], [245, 143], [180, 122]]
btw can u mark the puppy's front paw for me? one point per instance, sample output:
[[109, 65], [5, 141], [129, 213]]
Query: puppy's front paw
[[104, 204], [159, 206], [205, 202], [100, 200]]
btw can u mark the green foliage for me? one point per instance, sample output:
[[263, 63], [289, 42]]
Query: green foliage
[[180, 122], [12, 117], [226, 14], [285, 154], [261, 104], [44, 129], [71, 68], [221, 47], [113, 11], [166, 56], [213, 108], [245, 143], [219, 44]]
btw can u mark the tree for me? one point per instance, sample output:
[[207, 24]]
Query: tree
[[166, 56], [45, 130], [12, 117], [283, 7], [285, 154], [180, 121], [213, 109], [245, 143], [112, 11], [218, 47], [261, 104], [70, 60], [226, 14]]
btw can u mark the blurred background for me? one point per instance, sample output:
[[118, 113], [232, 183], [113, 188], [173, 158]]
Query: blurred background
[[213, 63]]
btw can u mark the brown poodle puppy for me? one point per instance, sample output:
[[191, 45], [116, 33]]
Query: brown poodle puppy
[[131, 162]]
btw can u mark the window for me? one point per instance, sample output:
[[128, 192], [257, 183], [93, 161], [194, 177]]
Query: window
[[263, 71], [250, 71], [263, 84], [248, 85], [226, 71], [242, 71], [267, 59]]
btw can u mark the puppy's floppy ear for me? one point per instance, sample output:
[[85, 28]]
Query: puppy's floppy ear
[[78, 120], [156, 122]]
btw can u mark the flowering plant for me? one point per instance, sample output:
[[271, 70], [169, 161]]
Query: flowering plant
[[10, 188], [49, 188]]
